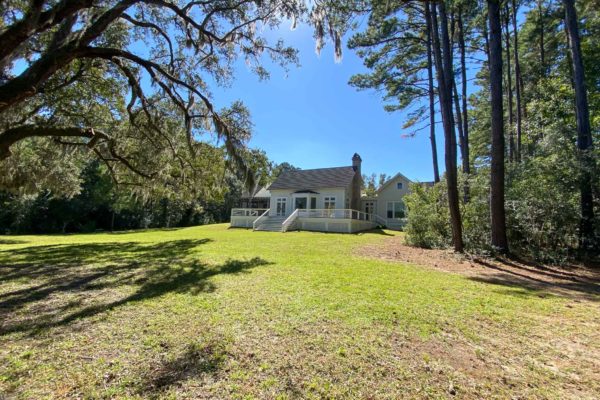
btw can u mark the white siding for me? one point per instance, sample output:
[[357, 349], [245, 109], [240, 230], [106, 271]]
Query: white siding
[[390, 192], [334, 225], [338, 193]]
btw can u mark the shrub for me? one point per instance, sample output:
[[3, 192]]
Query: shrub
[[542, 209], [542, 212], [476, 212], [428, 219]]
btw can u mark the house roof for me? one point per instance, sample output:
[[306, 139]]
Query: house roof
[[259, 192], [393, 178], [306, 179]]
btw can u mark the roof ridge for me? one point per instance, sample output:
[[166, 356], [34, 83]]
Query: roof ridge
[[314, 169]]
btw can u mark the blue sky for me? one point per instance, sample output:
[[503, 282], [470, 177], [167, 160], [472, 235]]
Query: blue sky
[[310, 117]]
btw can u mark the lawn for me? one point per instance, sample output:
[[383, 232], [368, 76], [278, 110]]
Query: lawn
[[211, 312]]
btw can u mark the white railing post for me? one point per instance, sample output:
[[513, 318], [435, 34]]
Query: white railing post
[[259, 218], [289, 220], [336, 213], [246, 212]]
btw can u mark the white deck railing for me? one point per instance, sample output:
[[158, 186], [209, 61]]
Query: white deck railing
[[247, 212], [289, 221], [255, 223], [337, 213]]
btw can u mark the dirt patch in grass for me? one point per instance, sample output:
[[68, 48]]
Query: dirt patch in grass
[[573, 280], [559, 353]]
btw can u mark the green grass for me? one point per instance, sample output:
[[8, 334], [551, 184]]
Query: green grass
[[211, 312]]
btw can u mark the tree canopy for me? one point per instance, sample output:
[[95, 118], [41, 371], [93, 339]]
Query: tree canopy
[[130, 82]]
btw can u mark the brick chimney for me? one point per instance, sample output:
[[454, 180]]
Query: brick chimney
[[356, 161], [356, 182]]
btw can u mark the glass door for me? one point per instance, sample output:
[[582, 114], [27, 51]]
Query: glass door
[[369, 208], [281, 206]]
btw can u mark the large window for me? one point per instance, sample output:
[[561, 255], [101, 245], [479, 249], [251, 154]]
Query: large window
[[395, 209], [329, 203], [301, 203]]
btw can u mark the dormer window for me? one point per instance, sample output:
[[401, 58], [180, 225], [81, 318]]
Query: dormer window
[[399, 185]]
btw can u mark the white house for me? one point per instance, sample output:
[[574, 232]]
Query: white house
[[387, 204], [324, 199]]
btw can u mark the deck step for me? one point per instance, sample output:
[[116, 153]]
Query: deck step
[[269, 229], [271, 224]]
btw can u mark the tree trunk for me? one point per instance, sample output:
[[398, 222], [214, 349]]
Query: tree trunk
[[498, 217], [584, 136], [464, 142], [436, 172], [542, 44], [461, 140], [458, 120], [518, 81], [486, 38], [463, 69], [511, 136], [443, 60]]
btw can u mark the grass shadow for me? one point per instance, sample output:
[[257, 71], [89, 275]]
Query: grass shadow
[[147, 230], [12, 241], [376, 231], [539, 281], [196, 361], [55, 285]]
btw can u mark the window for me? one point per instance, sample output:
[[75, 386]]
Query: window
[[399, 185], [313, 203], [395, 210], [301, 203], [329, 203]]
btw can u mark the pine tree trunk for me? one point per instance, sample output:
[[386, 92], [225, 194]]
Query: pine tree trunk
[[486, 38], [464, 145], [518, 81], [436, 171], [511, 136], [464, 153], [465, 118], [498, 216], [584, 136], [443, 60], [542, 44], [458, 120]]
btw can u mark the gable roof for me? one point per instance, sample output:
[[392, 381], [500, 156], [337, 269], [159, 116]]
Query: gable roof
[[393, 178], [259, 192], [303, 179]]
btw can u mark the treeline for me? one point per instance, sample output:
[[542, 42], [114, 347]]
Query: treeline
[[516, 85], [102, 205]]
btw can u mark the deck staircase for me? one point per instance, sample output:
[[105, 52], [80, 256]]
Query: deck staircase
[[393, 224], [271, 224]]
